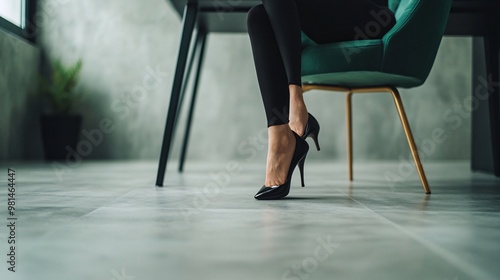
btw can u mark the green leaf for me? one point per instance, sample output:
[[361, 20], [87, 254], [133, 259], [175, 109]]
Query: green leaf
[[59, 88]]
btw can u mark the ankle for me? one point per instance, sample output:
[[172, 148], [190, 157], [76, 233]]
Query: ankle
[[295, 91], [287, 138], [297, 103], [280, 136]]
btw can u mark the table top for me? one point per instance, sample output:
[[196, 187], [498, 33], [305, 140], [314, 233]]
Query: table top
[[230, 15], [220, 15]]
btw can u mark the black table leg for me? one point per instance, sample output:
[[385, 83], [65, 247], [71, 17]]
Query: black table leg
[[492, 49], [188, 24], [185, 82], [201, 53], [482, 153]]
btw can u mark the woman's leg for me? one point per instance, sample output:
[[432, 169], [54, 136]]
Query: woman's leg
[[274, 30], [273, 83], [271, 73], [284, 20], [323, 21]]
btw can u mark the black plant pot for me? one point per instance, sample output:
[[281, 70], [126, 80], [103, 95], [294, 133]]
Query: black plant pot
[[58, 133]]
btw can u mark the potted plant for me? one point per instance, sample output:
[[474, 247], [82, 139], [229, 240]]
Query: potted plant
[[60, 128]]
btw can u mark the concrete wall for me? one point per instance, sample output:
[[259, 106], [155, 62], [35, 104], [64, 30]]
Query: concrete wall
[[19, 104], [123, 41]]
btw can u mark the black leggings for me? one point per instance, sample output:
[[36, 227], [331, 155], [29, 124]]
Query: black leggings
[[275, 34]]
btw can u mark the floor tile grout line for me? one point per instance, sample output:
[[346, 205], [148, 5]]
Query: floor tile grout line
[[467, 268], [108, 203], [48, 234]]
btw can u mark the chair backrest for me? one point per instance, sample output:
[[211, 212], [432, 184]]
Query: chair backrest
[[393, 5], [410, 47]]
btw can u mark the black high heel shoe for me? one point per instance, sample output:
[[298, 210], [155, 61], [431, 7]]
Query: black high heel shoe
[[312, 130], [299, 156]]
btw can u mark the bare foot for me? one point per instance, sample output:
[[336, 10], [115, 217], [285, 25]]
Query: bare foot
[[279, 154], [298, 110]]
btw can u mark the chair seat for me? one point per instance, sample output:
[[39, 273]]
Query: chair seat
[[350, 64], [359, 79]]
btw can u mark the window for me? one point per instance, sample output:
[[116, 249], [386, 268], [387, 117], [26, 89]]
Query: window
[[15, 16], [13, 11]]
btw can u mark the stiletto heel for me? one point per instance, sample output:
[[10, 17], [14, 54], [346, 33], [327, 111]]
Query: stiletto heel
[[312, 130], [301, 169], [315, 139], [277, 192]]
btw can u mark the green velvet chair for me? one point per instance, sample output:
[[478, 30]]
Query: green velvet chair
[[402, 58]]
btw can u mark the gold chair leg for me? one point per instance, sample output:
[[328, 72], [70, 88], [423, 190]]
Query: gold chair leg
[[409, 136], [349, 133]]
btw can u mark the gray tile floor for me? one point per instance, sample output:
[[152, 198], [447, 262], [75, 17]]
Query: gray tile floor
[[106, 220]]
